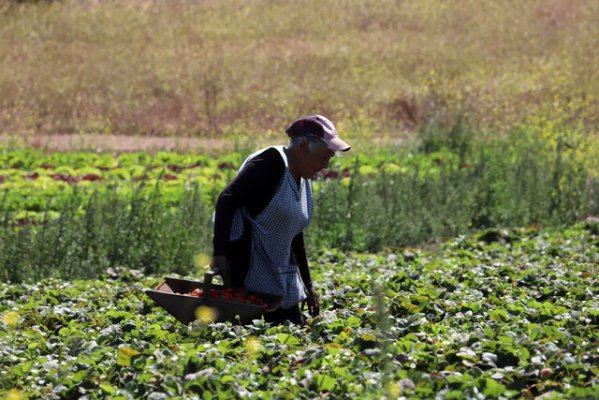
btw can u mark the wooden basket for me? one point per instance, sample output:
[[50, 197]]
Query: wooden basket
[[173, 296]]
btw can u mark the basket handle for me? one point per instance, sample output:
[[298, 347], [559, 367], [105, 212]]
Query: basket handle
[[208, 282]]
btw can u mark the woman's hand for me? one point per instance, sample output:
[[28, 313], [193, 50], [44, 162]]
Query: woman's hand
[[222, 266], [312, 302]]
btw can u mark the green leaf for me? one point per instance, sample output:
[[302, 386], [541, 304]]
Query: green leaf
[[498, 315], [79, 375], [533, 331], [325, 382], [33, 346], [23, 369], [333, 348], [124, 356], [454, 394], [119, 315], [493, 388], [368, 337], [342, 372], [64, 331], [108, 388], [224, 346], [227, 378], [457, 378], [286, 338]]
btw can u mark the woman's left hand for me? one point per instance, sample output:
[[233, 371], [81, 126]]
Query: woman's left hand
[[312, 301]]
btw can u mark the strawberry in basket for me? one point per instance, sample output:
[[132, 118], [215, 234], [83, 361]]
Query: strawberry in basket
[[237, 295]]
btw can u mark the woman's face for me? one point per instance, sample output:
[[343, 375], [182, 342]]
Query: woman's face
[[315, 160]]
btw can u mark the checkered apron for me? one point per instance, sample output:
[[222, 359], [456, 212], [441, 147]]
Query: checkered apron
[[273, 268]]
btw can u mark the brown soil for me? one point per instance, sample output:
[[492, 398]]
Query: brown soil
[[152, 144], [117, 143]]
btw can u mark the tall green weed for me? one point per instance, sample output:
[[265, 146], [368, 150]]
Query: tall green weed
[[107, 230], [487, 183]]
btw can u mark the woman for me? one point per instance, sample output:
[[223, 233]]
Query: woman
[[260, 217]]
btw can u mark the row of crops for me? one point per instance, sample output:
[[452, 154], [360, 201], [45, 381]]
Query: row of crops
[[34, 182]]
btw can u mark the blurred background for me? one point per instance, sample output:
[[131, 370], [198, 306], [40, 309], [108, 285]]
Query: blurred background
[[217, 69]]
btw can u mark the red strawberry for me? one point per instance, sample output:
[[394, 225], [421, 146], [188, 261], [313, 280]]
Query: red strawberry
[[251, 299]]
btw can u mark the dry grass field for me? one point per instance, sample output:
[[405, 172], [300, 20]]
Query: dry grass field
[[239, 68]]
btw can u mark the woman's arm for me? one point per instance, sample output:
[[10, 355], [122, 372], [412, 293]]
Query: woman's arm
[[299, 250]]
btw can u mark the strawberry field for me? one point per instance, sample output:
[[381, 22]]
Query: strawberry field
[[450, 271], [455, 248], [498, 314]]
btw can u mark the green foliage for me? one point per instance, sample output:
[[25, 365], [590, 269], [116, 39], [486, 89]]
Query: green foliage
[[453, 184], [76, 214], [481, 317], [107, 230]]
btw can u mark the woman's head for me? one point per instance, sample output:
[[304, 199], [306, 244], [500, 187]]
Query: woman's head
[[320, 127], [314, 140], [311, 155]]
